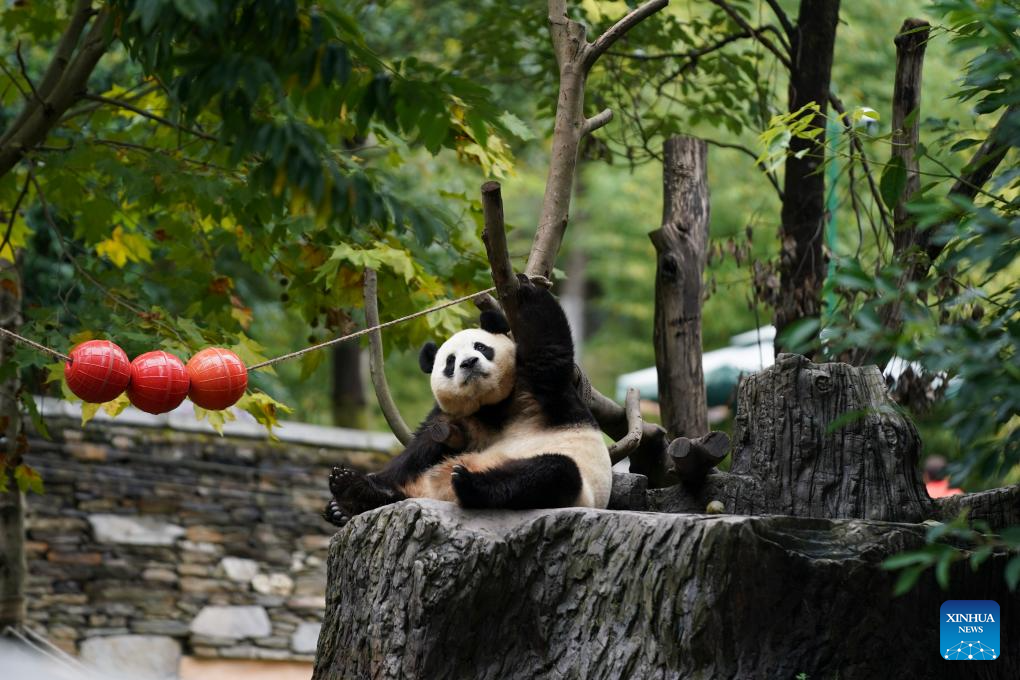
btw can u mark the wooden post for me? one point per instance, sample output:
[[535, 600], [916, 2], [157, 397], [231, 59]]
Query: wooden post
[[681, 245], [910, 45]]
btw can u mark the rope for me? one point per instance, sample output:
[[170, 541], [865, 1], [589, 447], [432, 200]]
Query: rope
[[292, 355], [34, 345], [365, 331]]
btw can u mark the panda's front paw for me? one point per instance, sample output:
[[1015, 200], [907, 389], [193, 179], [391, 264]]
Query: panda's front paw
[[465, 486], [334, 515], [531, 290]]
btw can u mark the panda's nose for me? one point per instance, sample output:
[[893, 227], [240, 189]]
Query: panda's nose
[[469, 362]]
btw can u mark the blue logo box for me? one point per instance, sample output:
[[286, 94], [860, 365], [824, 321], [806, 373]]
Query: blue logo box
[[969, 630]]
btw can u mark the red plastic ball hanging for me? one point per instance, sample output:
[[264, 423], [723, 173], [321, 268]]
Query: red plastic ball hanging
[[159, 382], [218, 378], [98, 371]]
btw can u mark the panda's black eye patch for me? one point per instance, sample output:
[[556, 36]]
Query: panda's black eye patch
[[485, 350], [448, 369]]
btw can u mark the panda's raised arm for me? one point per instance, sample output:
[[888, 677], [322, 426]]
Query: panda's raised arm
[[545, 349]]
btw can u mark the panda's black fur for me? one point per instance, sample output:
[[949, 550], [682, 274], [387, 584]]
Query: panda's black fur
[[539, 447]]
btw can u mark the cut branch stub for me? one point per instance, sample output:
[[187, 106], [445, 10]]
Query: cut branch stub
[[494, 238], [694, 458], [632, 439]]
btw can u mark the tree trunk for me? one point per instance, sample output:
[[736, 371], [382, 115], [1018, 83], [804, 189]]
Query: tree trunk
[[424, 590], [13, 566], [348, 386], [681, 245], [801, 263], [63, 85]]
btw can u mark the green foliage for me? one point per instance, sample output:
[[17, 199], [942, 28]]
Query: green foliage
[[956, 541], [227, 146], [962, 322]]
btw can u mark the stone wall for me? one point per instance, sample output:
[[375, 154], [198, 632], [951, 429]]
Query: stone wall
[[153, 543]]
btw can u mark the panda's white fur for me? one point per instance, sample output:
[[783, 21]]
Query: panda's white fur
[[525, 435]]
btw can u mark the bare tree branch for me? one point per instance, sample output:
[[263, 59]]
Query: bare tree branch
[[24, 73], [758, 33], [600, 119], [689, 54], [494, 238], [749, 152], [876, 195], [619, 29], [621, 449], [377, 366], [148, 114], [784, 20]]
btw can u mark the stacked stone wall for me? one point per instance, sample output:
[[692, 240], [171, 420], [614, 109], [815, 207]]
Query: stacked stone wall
[[153, 541]]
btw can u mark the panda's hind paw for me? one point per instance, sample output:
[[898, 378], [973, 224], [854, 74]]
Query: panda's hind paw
[[340, 479], [334, 515]]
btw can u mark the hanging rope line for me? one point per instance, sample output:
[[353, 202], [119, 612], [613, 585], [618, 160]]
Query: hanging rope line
[[34, 345], [365, 331], [292, 355]]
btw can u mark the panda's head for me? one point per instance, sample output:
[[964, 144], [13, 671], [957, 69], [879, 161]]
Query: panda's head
[[474, 368]]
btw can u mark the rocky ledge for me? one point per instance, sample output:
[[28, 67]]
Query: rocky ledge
[[422, 589]]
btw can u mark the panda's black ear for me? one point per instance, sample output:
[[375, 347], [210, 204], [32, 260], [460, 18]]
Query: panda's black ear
[[494, 322], [427, 356]]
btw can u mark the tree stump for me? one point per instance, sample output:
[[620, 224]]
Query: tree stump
[[424, 590], [815, 440]]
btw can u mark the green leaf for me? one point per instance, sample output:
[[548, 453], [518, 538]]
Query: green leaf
[[893, 182], [28, 479], [310, 363], [801, 335], [88, 412], [964, 144], [515, 126], [33, 413], [979, 556], [905, 559], [942, 569], [907, 580], [1012, 573], [1011, 535], [216, 419]]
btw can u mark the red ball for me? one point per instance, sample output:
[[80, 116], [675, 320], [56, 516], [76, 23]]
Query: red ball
[[98, 371], [218, 378], [159, 382]]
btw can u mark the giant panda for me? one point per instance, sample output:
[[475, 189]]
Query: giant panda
[[508, 429]]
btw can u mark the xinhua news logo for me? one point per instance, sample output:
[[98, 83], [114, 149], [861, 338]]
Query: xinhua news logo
[[969, 630]]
